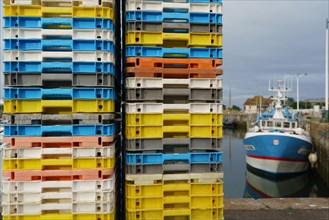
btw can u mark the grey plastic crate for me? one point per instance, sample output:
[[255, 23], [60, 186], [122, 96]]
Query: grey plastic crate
[[174, 27], [174, 168], [59, 80], [57, 119], [173, 145], [174, 95]]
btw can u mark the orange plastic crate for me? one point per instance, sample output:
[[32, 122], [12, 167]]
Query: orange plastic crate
[[173, 62]]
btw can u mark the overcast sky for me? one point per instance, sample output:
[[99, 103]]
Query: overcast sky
[[265, 39]]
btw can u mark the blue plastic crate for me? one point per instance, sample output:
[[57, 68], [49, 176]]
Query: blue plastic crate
[[60, 130], [153, 16], [58, 45], [159, 158], [58, 67], [73, 93], [133, 51], [38, 22]]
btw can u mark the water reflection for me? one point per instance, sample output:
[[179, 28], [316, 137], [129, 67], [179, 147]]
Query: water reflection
[[259, 185]]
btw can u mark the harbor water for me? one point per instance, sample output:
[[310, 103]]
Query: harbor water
[[243, 182]]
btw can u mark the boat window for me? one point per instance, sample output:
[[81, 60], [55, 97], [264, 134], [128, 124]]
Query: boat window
[[293, 125], [270, 124], [286, 125], [278, 124], [263, 123]]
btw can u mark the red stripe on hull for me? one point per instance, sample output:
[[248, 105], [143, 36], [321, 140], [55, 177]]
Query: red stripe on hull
[[276, 158]]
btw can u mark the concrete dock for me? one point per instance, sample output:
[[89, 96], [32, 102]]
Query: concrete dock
[[277, 209]]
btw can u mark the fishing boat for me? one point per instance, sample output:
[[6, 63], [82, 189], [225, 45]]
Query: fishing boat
[[277, 144]]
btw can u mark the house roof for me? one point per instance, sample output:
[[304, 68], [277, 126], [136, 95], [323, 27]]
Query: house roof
[[257, 99]]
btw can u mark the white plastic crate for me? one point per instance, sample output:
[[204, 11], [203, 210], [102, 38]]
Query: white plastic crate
[[202, 83], [160, 6], [66, 3], [63, 195], [78, 152], [74, 186], [76, 56], [38, 33], [37, 208], [161, 108]]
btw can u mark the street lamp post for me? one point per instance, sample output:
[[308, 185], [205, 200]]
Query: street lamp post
[[299, 74], [326, 114]]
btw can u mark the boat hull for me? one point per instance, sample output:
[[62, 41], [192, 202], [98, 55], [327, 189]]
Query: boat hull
[[277, 153]]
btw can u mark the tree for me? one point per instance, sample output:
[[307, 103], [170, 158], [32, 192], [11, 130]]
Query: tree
[[236, 108], [290, 102]]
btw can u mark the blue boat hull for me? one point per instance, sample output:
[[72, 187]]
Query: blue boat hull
[[276, 152]]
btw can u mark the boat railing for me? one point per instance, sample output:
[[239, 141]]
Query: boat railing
[[278, 124]]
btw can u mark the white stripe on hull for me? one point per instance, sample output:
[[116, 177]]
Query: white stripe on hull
[[277, 166]]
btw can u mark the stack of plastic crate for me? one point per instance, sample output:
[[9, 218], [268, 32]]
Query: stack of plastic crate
[[173, 112], [59, 102]]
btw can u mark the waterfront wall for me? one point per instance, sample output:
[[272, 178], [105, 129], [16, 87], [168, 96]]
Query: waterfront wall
[[320, 137], [243, 119]]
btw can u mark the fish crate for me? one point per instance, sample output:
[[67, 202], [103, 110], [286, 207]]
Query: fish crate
[[51, 153], [52, 80], [69, 56], [59, 106], [38, 33], [174, 196], [211, 7], [160, 16], [172, 145], [59, 93], [178, 213], [59, 175], [61, 130], [184, 40], [174, 90], [44, 119], [210, 108], [173, 167], [57, 23], [68, 207], [150, 179], [178, 73], [59, 142], [57, 163], [174, 27], [144, 51], [161, 158], [58, 67], [48, 186], [58, 11], [175, 131], [58, 44], [183, 63], [62, 3], [63, 216], [62, 195], [172, 119]]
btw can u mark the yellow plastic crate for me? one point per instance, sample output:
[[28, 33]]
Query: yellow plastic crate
[[176, 194], [59, 106], [48, 12], [54, 216], [175, 131], [57, 164], [178, 214], [159, 119], [149, 38]]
